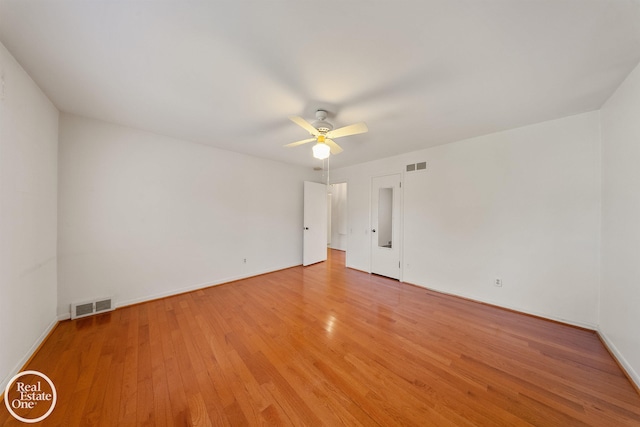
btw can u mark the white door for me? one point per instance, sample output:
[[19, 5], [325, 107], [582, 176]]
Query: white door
[[314, 247], [385, 225]]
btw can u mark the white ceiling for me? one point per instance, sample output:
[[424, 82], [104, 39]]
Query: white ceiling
[[419, 72]]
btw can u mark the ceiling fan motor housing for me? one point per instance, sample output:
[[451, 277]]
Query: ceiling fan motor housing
[[320, 124]]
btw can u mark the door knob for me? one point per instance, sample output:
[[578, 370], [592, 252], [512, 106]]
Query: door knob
[[306, 228], [374, 230]]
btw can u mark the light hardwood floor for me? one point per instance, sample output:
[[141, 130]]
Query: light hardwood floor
[[326, 345]]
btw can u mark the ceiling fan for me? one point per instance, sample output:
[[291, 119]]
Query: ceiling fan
[[323, 133]]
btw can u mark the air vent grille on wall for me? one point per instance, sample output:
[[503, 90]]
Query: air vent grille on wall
[[417, 166], [83, 310], [88, 308], [104, 305]]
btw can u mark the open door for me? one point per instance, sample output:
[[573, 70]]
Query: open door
[[385, 226], [314, 246]]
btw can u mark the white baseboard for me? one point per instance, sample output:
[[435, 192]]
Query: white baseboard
[[586, 325], [624, 364], [359, 269], [119, 304], [16, 369]]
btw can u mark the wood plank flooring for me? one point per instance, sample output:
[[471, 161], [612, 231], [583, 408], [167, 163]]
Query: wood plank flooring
[[326, 345]]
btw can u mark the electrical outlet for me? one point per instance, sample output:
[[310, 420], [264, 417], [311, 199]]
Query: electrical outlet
[[498, 282]]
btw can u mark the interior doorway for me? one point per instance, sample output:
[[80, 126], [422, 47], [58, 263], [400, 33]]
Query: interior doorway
[[337, 216]]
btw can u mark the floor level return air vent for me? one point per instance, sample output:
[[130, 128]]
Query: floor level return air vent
[[88, 308]]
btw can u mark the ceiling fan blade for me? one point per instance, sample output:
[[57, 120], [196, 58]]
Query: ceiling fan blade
[[295, 144], [304, 124], [335, 148], [348, 130]]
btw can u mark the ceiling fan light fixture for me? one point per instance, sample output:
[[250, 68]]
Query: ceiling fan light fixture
[[321, 151], [323, 134]]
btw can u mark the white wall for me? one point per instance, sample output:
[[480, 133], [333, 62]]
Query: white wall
[[522, 205], [143, 215], [28, 170], [620, 292]]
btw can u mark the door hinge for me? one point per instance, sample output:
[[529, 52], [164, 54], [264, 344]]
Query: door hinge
[[398, 264], [400, 184]]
